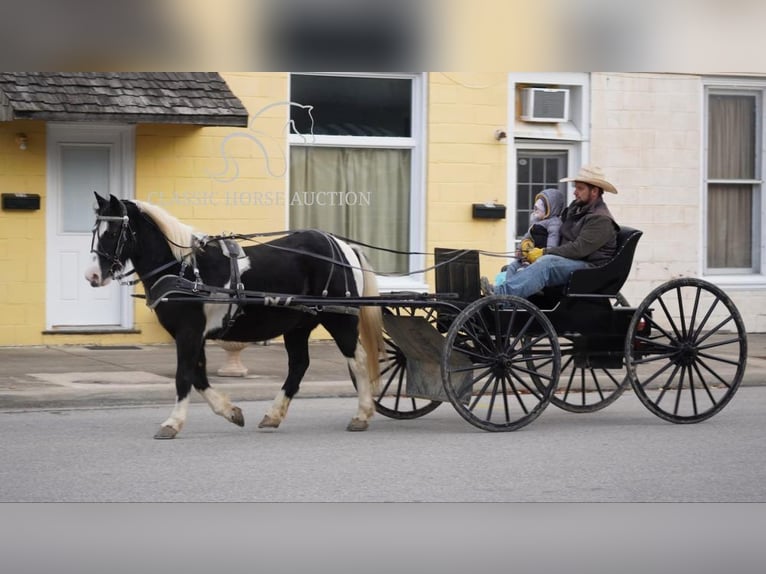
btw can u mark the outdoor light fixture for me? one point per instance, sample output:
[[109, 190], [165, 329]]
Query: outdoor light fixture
[[22, 141]]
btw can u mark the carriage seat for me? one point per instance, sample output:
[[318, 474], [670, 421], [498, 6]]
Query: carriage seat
[[606, 279]]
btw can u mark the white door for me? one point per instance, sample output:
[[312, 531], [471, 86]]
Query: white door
[[83, 159]]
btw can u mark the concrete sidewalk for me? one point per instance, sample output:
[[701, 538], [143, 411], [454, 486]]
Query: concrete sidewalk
[[91, 376], [85, 376]]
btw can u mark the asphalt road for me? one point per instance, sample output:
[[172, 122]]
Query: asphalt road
[[621, 454]]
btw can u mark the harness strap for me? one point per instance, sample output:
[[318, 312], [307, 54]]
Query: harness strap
[[234, 252], [175, 285]]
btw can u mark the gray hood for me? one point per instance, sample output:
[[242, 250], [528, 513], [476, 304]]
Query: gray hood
[[554, 201]]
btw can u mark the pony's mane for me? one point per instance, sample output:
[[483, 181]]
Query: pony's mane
[[178, 234]]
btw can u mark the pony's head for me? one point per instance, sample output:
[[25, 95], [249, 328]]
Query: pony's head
[[112, 241]]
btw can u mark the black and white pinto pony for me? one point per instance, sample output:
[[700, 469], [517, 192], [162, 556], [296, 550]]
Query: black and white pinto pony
[[310, 263]]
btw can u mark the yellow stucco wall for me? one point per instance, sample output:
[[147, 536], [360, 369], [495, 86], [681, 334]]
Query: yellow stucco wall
[[22, 236], [465, 163], [234, 179]]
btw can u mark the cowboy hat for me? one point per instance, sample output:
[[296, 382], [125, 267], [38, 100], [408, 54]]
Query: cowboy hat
[[593, 175]]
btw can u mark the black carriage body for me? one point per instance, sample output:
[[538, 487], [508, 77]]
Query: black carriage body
[[583, 311]]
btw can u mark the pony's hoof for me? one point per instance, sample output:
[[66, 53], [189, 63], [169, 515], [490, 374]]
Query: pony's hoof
[[166, 432], [237, 417], [357, 425], [268, 423]]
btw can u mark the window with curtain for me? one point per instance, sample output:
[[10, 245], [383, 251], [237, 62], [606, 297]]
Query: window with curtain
[[733, 186], [351, 158]]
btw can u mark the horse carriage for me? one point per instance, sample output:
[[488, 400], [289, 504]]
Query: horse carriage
[[499, 360]]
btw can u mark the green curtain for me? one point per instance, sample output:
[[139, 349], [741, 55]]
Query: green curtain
[[359, 193]]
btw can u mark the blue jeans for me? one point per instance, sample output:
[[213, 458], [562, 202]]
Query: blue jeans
[[547, 271], [510, 270]]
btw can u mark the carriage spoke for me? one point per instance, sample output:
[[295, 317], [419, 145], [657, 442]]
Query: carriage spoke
[[598, 386], [506, 407], [669, 317], [705, 319], [679, 390], [712, 372], [719, 359], [692, 390], [654, 358], [681, 311], [480, 395], [523, 383], [704, 383], [717, 344], [695, 308], [492, 397], [656, 374], [668, 384], [516, 392]]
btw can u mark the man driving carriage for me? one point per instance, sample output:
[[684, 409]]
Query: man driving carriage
[[588, 238]]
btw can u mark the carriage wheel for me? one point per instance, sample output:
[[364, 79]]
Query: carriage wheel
[[501, 362], [392, 400], [587, 389], [686, 350]]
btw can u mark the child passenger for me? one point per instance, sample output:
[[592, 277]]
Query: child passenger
[[544, 226]]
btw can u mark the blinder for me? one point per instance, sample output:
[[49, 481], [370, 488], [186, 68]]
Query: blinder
[[116, 266]]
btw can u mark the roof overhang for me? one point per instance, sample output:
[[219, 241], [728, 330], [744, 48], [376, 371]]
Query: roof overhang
[[191, 98]]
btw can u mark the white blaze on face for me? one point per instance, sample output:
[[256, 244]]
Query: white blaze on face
[[93, 274], [93, 271]]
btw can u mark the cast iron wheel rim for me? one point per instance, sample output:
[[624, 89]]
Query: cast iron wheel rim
[[587, 389], [392, 400], [691, 364], [488, 368]]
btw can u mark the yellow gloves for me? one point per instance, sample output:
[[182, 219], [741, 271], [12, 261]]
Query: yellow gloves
[[527, 244], [534, 254]]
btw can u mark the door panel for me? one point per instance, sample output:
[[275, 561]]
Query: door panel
[[82, 160]]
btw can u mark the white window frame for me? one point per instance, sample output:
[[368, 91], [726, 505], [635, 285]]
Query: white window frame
[[575, 140], [573, 157], [735, 279], [416, 144]]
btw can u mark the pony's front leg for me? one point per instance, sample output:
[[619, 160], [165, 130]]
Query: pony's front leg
[[184, 377], [297, 347], [219, 402], [187, 356]]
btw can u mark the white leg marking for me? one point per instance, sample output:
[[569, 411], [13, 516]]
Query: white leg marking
[[358, 366], [177, 417], [219, 402], [221, 405], [278, 409]]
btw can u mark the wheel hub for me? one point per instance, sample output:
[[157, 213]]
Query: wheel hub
[[686, 354]]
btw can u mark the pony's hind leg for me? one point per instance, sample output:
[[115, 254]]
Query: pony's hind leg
[[344, 330], [219, 402], [366, 406], [297, 346]]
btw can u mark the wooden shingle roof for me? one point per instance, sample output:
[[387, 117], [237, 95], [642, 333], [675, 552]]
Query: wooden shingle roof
[[200, 98]]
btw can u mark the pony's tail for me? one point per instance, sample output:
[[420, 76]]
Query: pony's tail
[[370, 323]]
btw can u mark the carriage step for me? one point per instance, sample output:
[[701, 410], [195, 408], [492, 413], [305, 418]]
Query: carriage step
[[423, 346]]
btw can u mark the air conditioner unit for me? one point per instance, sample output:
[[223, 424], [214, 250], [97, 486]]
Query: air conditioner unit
[[545, 105]]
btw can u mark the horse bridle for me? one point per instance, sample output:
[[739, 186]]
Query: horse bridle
[[116, 266]]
